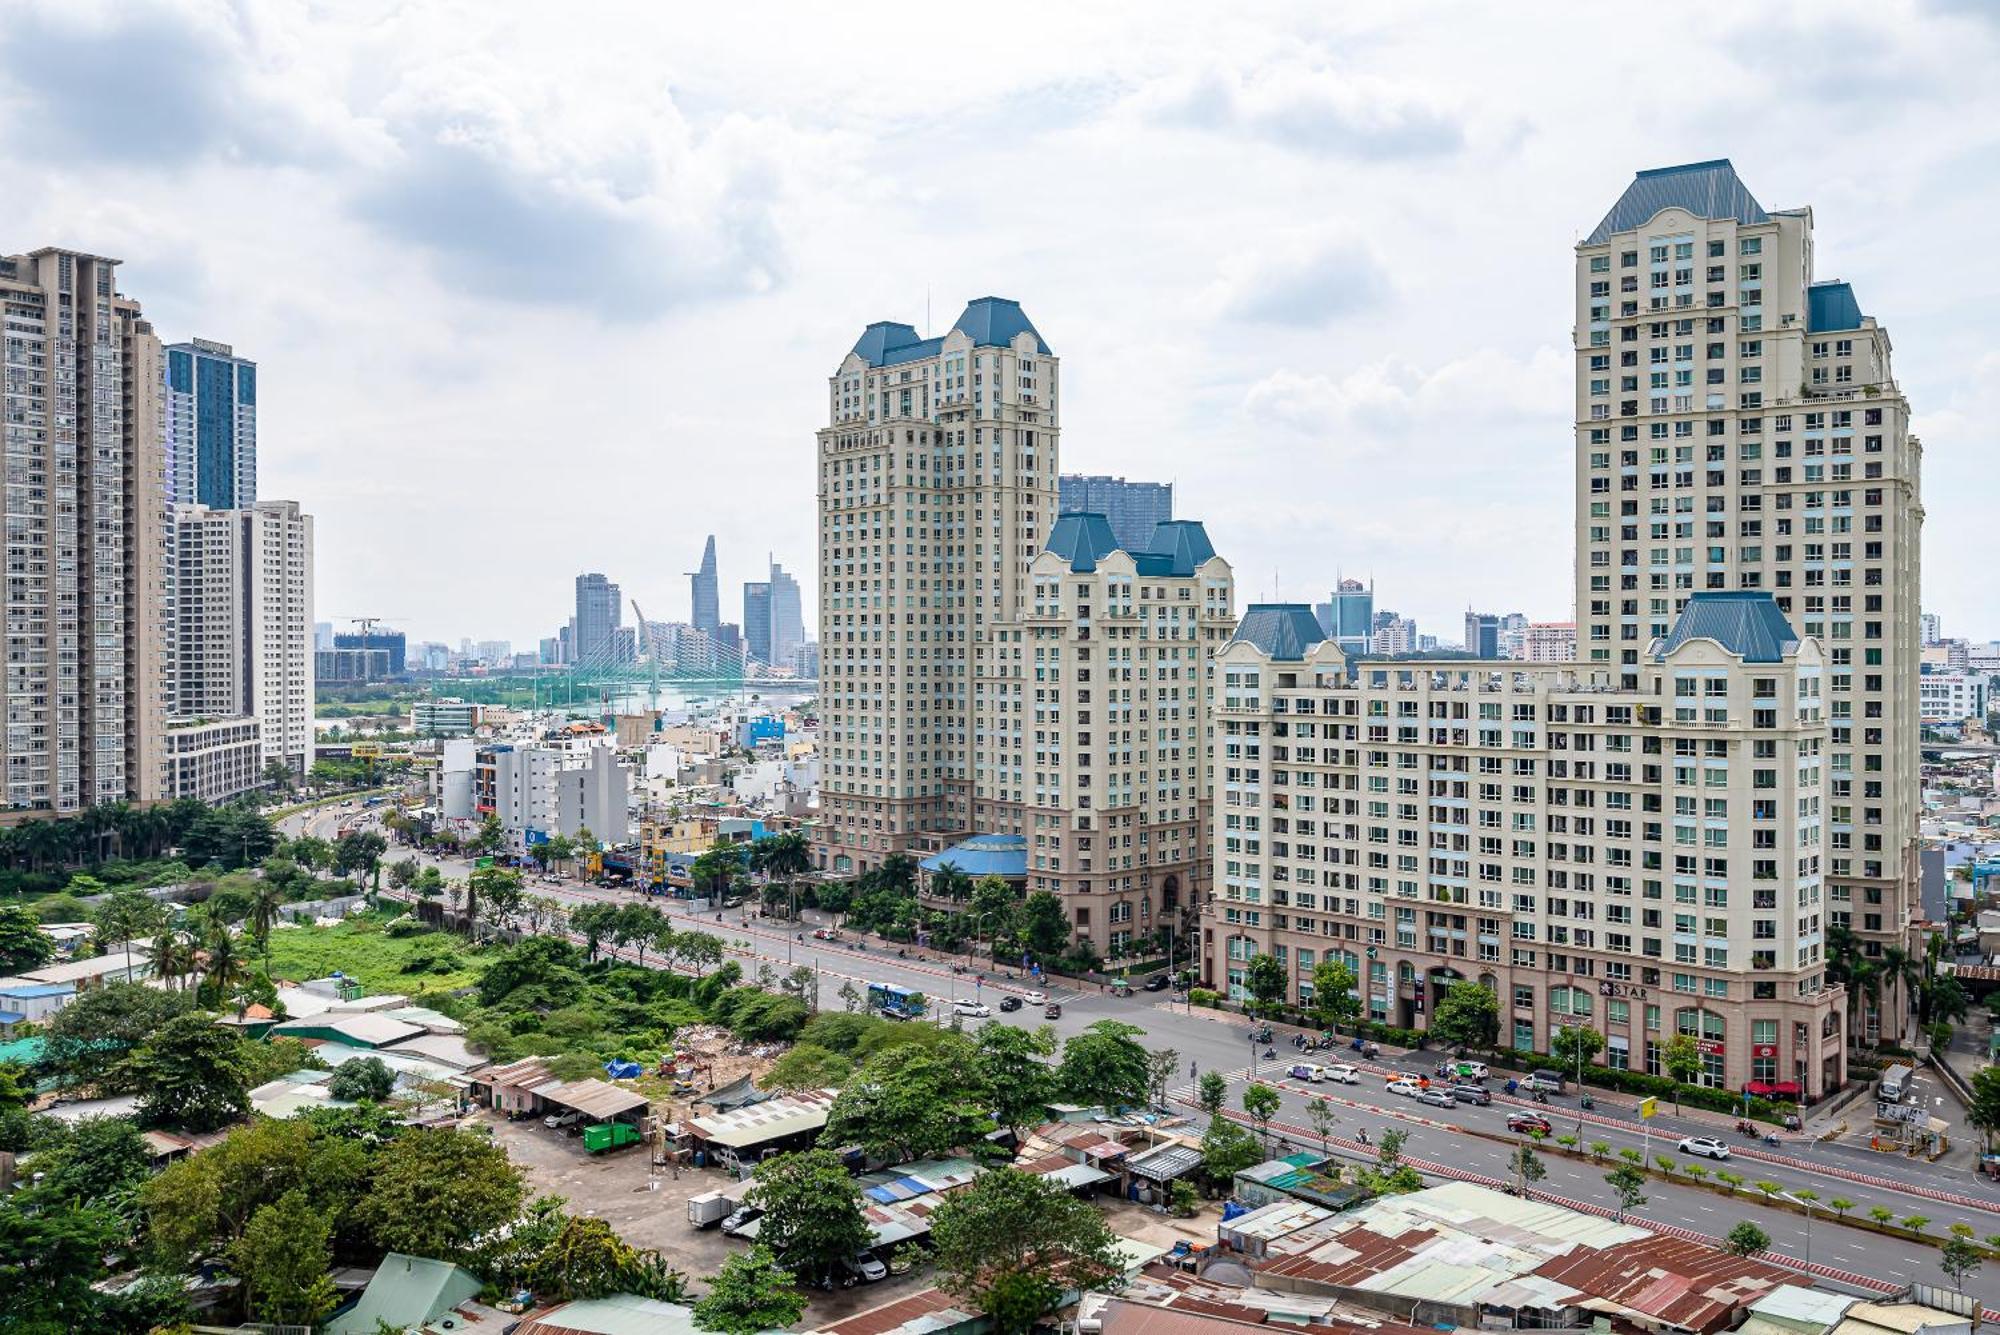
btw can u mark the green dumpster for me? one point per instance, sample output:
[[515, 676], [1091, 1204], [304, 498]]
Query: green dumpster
[[609, 1136]]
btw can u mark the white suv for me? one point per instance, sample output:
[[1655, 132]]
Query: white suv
[[1708, 1147]]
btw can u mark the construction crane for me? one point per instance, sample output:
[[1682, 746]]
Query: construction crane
[[365, 626]]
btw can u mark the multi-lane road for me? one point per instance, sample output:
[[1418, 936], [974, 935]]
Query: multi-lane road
[[1206, 1041]]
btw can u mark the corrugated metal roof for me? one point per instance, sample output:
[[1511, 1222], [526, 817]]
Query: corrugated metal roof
[[918, 1314], [1004, 855], [593, 1097], [1705, 189], [1165, 1163], [1073, 1175], [773, 1119], [619, 1314]]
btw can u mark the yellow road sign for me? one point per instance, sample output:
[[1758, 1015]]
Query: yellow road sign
[[1647, 1107]]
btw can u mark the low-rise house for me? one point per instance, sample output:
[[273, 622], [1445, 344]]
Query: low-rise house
[[358, 1029], [22, 1001], [407, 1291], [619, 1314], [743, 1135], [121, 966], [928, 1312]]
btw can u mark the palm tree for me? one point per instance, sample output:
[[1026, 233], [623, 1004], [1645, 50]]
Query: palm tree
[[224, 967], [265, 901], [1903, 974], [173, 957]]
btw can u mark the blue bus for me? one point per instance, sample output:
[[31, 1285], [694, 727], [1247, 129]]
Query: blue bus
[[901, 1003]]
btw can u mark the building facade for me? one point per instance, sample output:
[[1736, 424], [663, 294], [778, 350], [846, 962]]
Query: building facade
[[1348, 618], [87, 585], [212, 759], [449, 717], [392, 644], [1738, 427], [1090, 726], [1131, 508], [541, 791], [211, 417], [1647, 860], [1952, 697], [1550, 642], [757, 620], [937, 485], [1482, 634]]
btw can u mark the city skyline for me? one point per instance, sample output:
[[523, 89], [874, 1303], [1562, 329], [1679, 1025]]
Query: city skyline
[[1319, 349]]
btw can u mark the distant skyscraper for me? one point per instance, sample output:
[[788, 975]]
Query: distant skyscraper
[[707, 599], [1352, 620], [757, 620], [773, 623], [598, 617], [788, 623], [1132, 507], [322, 635], [1933, 627], [1482, 634], [211, 407]]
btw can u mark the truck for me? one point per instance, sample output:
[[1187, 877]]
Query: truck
[[610, 1136], [709, 1209]]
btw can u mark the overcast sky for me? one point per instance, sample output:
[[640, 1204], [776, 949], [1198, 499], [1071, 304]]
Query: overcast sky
[[542, 288]]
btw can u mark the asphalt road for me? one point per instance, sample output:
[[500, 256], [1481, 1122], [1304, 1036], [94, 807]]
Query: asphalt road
[[1206, 1041]]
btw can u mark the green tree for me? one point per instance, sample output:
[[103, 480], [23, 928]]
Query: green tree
[[1334, 1004], [1984, 1112], [1319, 1111], [310, 852], [1105, 1065], [1681, 1059], [1527, 1168], [1959, 1259], [22, 945], [807, 1066], [751, 1294], [1746, 1239], [434, 1191], [1467, 1014], [191, 1075], [1267, 981], [1042, 925], [98, 1161], [1013, 1063], [49, 1258], [585, 1259], [1211, 1091], [1575, 1045], [265, 901], [282, 1259], [126, 916], [812, 1212], [403, 873], [490, 838], [1014, 1244], [912, 1102], [1262, 1103], [1628, 1185], [362, 1078], [1227, 1149]]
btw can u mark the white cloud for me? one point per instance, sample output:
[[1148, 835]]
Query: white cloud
[[1310, 105], [1307, 282], [1391, 401]]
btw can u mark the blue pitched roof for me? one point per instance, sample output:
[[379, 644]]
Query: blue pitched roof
[[1705, 189], [31, 991], [990, 322], [1282, 630], [1083, 538], [1745, 622], [993, 322], [1831, 306], [1004, 855]]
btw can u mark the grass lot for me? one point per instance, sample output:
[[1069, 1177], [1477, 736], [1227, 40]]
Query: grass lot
[[430, 962]]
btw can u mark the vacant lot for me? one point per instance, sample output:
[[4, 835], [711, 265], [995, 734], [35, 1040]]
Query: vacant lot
[[430, 961], [650, 1211]]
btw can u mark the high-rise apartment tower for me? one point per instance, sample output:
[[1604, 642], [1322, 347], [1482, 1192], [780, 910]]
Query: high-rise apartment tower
[[211, 415], [937, 485], [1738, 427], [1131, 508], [86, 534]]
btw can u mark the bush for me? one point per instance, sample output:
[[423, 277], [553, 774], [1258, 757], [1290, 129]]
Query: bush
[[403, 927], [1202, 996]]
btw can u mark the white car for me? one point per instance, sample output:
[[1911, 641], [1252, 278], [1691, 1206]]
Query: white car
[[1407, 1088], [1708, 1147], [976, 1009], [1034, 998], [1343, 1074]]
